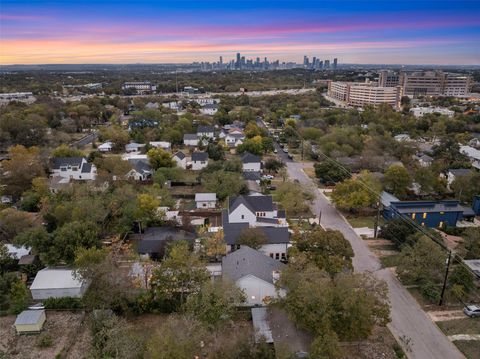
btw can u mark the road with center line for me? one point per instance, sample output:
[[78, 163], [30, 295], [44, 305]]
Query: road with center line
[[411, 326]]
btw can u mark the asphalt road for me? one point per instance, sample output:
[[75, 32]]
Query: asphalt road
[[410, 325], [85, 140]]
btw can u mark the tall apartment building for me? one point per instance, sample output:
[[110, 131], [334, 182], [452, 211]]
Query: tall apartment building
[[369, 93], [388, 79], [434, 83]]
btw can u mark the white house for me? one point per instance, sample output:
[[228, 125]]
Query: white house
[[421, 111], [473, 155], [134, 147], [180, 159], [205, 131], [209, 109], [105, 147], [199, 161], [161, 144], [76, 168], [16, 252], [141, 170], [190, 139], [453, 174], [251, 162], [424, 160], [206, 200], [234, 138], [57, 283], [254, 273]]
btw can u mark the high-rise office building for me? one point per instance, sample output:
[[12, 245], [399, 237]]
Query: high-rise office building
[[305, 60], [335, 63], [434, 83], [221, 60], [237, 63], [388, 78], [327, 64], [320, 64], [314, 60]]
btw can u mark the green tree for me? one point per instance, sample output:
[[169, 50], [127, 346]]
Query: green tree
[[66, 151], [397, 230], [22, 167], [423, 264], [330, 172], [397, 180], [328, 249], [252, 237], [355, 194], [19, 297], [293, 197], [215, 304], [461, 282], [214, 246], [223, 183], [466, 187], [181, 274], [158, 157], [215, 152], [146, 210], [14, 222]]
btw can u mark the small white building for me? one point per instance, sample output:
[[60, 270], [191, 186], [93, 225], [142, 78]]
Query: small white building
[[30, 321], [473, 155], [455, 173], [199, 161], [234, 138], [206, 131], [105, 147], [254, 273], [141, 170], [17, 252], [206, 200], [134, 147], [161, 144], [57, 283], [424, 160], [251, 162], [180, 159], [76, 168], [190, 139], [209, 109], [421, 111]]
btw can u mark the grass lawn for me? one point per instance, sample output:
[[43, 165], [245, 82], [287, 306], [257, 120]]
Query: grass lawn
[[469, 348], [358, 222], [460, 326]]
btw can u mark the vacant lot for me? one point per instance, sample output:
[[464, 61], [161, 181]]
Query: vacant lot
[[62, 329]]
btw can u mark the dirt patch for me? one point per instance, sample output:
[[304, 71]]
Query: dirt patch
[[63, 328], [379, 345], [443, 315]]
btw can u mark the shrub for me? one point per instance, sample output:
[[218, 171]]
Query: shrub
[[63, 303], [430, 291], [45, 341]]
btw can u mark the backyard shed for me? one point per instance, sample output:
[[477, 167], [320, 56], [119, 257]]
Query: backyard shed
[[57, 283], [30, 321]]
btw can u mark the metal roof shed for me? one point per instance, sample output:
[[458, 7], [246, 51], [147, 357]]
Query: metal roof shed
[[30, 321]]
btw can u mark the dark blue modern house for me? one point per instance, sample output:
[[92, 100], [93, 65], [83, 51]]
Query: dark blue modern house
[[432, 214]]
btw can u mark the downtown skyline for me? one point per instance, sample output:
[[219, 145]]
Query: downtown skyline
[[117, 32]]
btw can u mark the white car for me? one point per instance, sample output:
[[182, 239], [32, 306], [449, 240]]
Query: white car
[[472, 311], [38, 306], [270, 177]]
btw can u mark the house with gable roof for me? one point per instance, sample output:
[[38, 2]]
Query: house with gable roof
[[251, 162], [73, 168], [254, 273], [180, 159]]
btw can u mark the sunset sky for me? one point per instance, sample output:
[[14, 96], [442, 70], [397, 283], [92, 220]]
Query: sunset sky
[[108, 31]]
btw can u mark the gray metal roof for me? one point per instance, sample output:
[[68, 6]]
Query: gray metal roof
[[205, 128], [155, 237], [247, 261], [190, 136], [86, 168], [199, 156], [253, 203], [250, 158], [66, 161], [180, 155], [251, 176], [427, 206], [29, 317], [460, 171]]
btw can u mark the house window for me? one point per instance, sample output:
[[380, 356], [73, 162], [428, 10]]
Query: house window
[[413, 215], [271, 255], [277, 256], [424, 215], [243, 216], [284, 256]]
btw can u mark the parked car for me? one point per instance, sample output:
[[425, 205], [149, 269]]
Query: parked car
[[285, 150], [290, 156], [270, 177], [38, 306], [275, 150], [472, 311]]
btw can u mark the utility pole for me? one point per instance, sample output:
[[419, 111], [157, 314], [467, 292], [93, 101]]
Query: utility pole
[[302, 149], [377, 219], [445, 279]]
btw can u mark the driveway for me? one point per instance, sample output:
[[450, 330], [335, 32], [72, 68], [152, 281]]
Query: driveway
[[411, 326]]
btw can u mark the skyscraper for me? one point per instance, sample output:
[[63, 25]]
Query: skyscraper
[[237, 64], [221, 60], [335, 62], [327, 64], [314, 60]]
